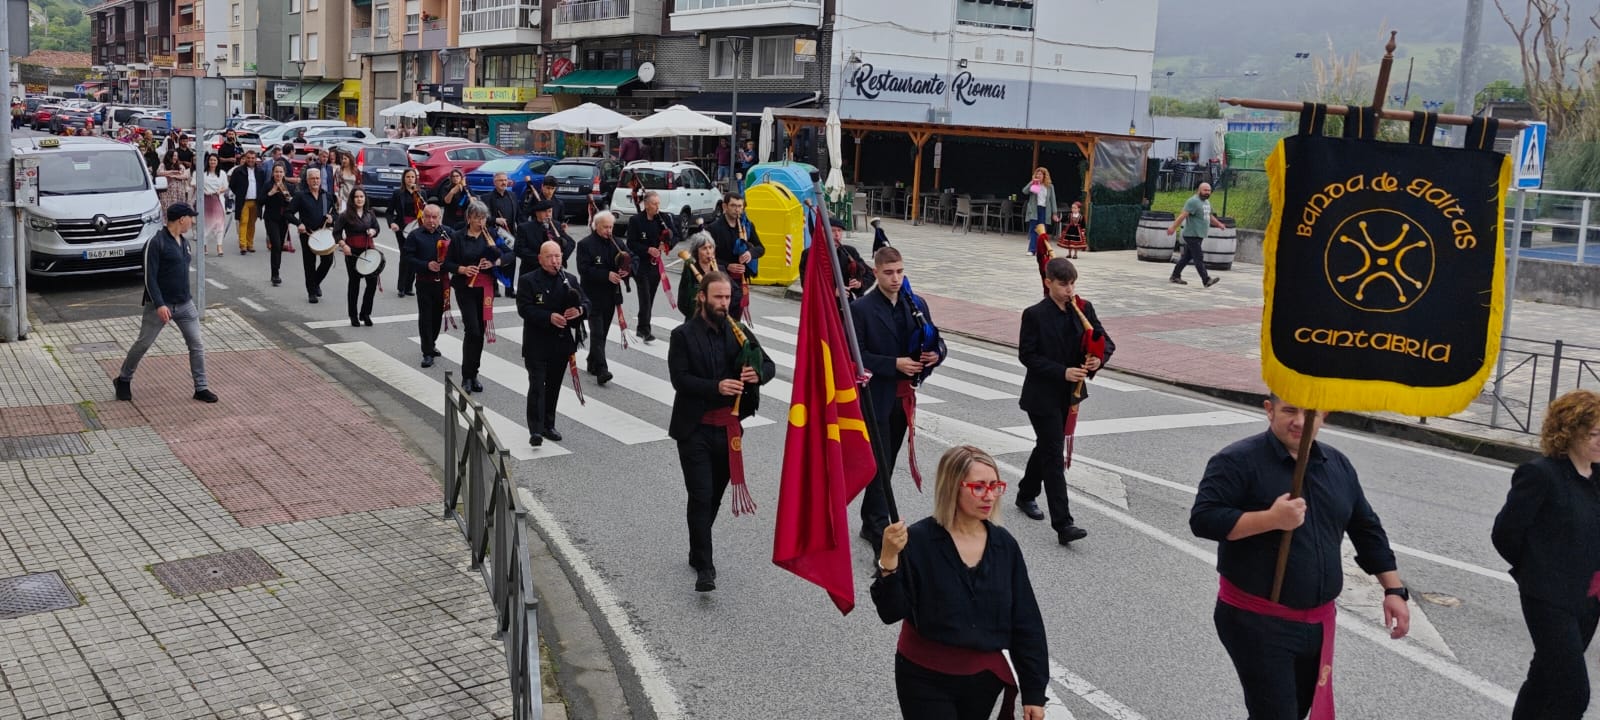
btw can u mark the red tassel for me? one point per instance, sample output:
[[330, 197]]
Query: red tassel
[[743, 504], [1594, 586]]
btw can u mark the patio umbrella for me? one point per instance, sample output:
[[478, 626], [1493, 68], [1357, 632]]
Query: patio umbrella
[[585, 118], [765, 146], [835, 184], [442, 106], [676, 121], [407, 109]]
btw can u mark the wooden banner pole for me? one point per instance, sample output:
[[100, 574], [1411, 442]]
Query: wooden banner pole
[[1308, 434], [1381, 92]]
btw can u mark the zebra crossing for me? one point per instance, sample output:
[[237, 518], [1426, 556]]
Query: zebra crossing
[[970, 372]]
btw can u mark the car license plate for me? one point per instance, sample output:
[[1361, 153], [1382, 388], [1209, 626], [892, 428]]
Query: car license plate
[[572, 189], [102, 254]]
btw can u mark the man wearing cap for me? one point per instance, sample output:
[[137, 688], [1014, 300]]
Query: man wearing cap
[[857, 273], [537, 230], [167, 298]]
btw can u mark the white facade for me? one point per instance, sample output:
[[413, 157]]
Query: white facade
[[1084, 65]]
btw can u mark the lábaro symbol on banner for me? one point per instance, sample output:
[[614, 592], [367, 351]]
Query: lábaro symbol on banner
[[1389, 272]]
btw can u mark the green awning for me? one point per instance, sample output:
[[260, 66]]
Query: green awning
[[312, 98], [184, 48], [591, 82]]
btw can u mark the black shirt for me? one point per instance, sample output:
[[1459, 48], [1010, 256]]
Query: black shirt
[[466, 250], [1549, 530], [1049, 341], [540, 294], [988, 607], [166, 270], [645, 233], [1248, 476], [502, 205], [700, 355], [422, 247]]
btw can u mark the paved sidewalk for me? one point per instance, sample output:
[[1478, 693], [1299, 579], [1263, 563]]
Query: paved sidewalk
[[276, 555], [976, 284]]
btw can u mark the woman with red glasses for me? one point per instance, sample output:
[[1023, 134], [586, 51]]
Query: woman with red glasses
[[957, 584]]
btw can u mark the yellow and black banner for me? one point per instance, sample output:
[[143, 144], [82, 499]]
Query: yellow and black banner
[[1384, 280]]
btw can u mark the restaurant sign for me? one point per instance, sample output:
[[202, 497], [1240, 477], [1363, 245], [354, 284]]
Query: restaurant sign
[[497, 94], [870, 83]]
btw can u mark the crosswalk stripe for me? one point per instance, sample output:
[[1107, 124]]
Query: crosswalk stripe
[[429, 391], [617, 424], [379, 320], [1118, 426]]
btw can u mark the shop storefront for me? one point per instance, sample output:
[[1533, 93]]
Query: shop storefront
[[349, 99], [241, 95]]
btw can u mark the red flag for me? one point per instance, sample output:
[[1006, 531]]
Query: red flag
[[827, 458]]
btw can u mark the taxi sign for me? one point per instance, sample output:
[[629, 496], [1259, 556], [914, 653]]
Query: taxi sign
[[49, 142]]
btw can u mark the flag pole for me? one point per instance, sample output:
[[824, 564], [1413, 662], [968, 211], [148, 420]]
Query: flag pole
[[855, 352]]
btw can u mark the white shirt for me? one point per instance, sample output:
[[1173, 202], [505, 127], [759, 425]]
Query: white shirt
[[250, 189]]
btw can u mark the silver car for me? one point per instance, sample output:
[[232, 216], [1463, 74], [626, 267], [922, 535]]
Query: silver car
[[97, 206]]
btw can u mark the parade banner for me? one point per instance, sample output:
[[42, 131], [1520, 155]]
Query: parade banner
[[1384, 282]]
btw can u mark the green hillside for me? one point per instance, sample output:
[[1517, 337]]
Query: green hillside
[[59, 24]]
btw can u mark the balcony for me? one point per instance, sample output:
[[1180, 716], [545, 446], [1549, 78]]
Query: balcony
[[486, 23], [606, 18], [435, 35], [361, 40], [700, 15]]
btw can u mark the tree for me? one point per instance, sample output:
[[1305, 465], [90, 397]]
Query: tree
[[1562, 79], [1174, 107], [1500, 91]]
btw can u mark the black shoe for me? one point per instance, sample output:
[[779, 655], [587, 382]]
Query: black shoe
[[312, 297], [535, 440], [705, 580], [603, 377], [873, 538], [1212, 281], [552, 434], [473, 386], [1030, 508], [317, 292], [124, 389], [276, 282], [1178, 281], [1068, 534], [205, 396], [366, 321], [648, 337], [353, 322]]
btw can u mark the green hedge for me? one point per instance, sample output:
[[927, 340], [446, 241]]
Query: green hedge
[[1112, 227]]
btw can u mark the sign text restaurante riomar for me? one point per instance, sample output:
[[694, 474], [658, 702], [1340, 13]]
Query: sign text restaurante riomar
[[869, 83]]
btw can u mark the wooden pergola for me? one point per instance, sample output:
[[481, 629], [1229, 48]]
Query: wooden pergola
[[921, 132]]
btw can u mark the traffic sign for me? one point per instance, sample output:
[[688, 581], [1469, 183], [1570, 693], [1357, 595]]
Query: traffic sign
[[1528, 166]]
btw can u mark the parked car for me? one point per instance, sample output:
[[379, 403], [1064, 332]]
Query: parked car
[[434, 161], [158, 125], [75, 118], [684, 189], [580, 181], [419, 140], [381, 169], [286, 132], [31, 105], [342, 134], [97, 206], [522, 169], [124, 114], [42, 115], [259, 127], [247, 140]]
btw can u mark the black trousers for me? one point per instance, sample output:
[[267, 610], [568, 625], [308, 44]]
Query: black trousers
[[1557, 687], [408, 277], [544, 389], [928, 695], [1044, 467], [645, 284], [1193, 252], [469, 301], [1277, 661], [277, 233], [874, 500], [704, 458], [600, 316], [317, 266], [430, 313], [356, 280]]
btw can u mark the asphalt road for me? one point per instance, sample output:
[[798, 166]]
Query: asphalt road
[[1128, 610]]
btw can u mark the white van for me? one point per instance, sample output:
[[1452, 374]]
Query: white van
[[97, 206]]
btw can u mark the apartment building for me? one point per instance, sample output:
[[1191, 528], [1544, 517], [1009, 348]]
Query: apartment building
[[407, 50], [133, 48]]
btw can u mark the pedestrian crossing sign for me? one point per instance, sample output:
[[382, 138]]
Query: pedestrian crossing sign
[[1528, 168]]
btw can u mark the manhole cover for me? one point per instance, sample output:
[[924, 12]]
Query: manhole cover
[[33, 447], [95, 347], [36, 593], [207, 573], [1442, 600]]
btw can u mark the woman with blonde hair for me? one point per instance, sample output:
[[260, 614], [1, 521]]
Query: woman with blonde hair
[[1549, 530], [1041, 205], [957, 584]]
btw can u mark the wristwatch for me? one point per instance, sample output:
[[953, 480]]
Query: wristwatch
[[1400, 592]]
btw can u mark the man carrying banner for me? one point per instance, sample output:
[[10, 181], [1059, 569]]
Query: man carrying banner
[[1283, 651], [717, 368], [899, 345], [552, 306], [1196, 221]]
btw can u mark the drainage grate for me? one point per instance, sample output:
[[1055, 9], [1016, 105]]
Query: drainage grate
[[33, 447], [208, 573], [36, 593], [95, 347]]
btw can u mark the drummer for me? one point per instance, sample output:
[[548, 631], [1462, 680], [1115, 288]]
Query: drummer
[[313, 211], [355, 228]]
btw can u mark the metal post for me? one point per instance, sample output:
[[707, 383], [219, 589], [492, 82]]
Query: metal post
[[13, 304], [1555, 371], [1583, 228], [737, 41], [1510, 300], [452, 480], [300, 86]]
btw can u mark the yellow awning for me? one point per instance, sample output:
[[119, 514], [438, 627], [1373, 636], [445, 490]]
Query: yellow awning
[[350, 90]]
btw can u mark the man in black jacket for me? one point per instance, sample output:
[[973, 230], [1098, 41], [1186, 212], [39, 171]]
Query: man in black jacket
[[738, 246], [423, 255], [313, 210], [249, 185], [602, 264], [648, 232], [857, 273], [535, 231], [503, 205], [545, 191], [889, 326], [552, 306], [167, 298], [714, 392], [1050, 346]]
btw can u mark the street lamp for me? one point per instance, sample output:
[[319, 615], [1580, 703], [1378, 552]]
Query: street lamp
[[737, 41], [300, 84], [444, 71]]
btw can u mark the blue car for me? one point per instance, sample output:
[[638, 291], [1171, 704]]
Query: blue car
[[525, 171]]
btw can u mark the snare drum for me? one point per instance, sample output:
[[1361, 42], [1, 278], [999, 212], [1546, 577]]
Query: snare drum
[[405, 232], [369, 262], [321, 242], [506, 237]]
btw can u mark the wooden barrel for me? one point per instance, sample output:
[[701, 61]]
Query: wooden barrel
[[1151, 239], [1219, 247]]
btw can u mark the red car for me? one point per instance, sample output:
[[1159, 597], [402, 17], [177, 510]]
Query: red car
[[435, 161]]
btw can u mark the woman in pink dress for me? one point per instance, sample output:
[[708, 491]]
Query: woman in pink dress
[[213, 185]]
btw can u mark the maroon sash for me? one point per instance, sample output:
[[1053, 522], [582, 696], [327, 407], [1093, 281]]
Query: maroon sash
[[1324, 615], [907, 393], [952, 660], [724, 418]]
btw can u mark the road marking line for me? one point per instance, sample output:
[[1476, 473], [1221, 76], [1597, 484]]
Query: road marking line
[[1094, 696], [429, 391], [1118, 426], [253, 305], [617, 424], [379, 320], [216, 284]]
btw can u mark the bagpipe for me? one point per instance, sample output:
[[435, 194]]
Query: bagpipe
[[924, 336], [624, 262], [576, 331], [741, 245], [661, 265], [1042, 252], [442, 246], [1094, 345], [505, 242]]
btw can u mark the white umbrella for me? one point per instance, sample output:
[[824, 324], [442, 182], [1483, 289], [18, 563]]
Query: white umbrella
[[585, 118], [765, 143], [676, 121], [835, 183], [441, 106], [407, 109]]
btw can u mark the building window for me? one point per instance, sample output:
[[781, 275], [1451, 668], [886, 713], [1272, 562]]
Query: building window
[[312, 5], [236, 15], [721, 60], [294, 6], [509, 71], [235, 55], [774, 58], [380, 21], [977, 53], [386, 84], [609, 59], [1058, 59], [311, 46], [1019, 57], [1013, 15], [413, 15], [456, 68], [294, 48], [488, 15]]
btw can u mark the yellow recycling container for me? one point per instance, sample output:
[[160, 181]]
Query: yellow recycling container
[[776, 213]]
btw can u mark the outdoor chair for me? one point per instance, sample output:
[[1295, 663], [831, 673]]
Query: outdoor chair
[[963, 212], [858, 210]]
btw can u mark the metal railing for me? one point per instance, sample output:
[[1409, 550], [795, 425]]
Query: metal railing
[[1569, 217], [587, 10], [1536, 373], [685, 5], [475, 462]]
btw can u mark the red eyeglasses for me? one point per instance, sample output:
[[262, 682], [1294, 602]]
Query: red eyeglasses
[[980, 489]]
